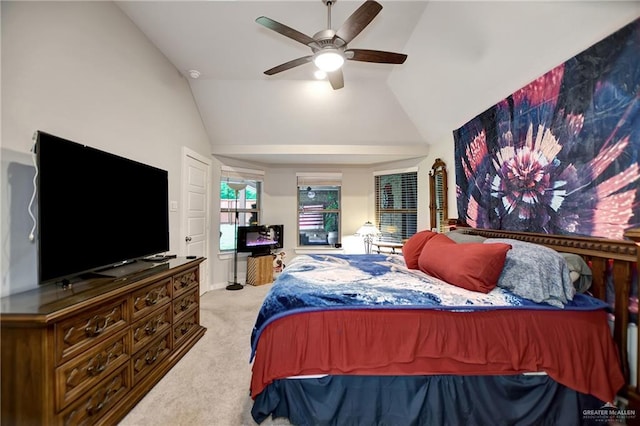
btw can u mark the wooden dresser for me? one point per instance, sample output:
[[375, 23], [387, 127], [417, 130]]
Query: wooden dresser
[[87, 354]]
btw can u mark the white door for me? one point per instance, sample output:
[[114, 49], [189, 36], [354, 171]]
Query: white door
[[195, 210]]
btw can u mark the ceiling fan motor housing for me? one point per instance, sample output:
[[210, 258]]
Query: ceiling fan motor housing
[[325, 38]]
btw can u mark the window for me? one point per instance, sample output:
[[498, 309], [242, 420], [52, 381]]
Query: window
[[319, 208], [396, 205], [246, 199]]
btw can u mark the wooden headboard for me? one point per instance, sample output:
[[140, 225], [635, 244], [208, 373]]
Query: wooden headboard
[[609, 260]]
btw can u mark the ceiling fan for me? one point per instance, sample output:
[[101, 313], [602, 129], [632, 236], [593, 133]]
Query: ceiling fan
[[329, 47]]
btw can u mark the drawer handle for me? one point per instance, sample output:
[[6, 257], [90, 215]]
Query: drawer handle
[[96, 325], [151, 357], [92, 410], [185, 304], [152, 326], [99, 368], [186, 326], [186, 280], [152, 298], [113, 387], [102, 362]]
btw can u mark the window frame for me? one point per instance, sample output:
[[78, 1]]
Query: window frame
[[253, 179], [319, 183], [396, 229]]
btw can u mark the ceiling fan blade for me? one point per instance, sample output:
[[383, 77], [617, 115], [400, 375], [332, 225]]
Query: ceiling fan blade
[[285, 31], [379, 56], [358, 21], [289, 65], [336, 79]]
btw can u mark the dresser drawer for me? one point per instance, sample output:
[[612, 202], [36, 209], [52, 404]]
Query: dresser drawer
[[84, 371], [151, 297], [82, 331], [185, 327], [145, 360], [147, 328], [92, 405], [182, 304], [186, 280]]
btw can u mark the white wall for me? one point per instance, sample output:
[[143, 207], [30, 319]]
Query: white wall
[[490, 50], [83, 71]]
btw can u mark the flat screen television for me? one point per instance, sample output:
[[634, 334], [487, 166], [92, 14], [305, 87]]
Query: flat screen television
[[96, 210], [260, 239]]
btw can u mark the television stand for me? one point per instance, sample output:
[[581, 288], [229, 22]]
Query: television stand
[[87, 355], [260, 269]]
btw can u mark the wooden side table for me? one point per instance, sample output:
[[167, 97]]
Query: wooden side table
[[260, 270]]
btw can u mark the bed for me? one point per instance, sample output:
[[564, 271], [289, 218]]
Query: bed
[[365, 339]]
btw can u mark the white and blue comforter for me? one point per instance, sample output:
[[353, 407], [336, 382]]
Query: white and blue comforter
[[379, 281]]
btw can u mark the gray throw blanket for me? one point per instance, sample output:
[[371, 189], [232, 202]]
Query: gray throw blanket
[[578, 266], [536, 273]]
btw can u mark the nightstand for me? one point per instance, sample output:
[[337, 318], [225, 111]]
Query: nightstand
[[386, 247], [260, 270]]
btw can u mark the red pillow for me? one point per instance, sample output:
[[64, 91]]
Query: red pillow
[[413, 247], [474, 266]]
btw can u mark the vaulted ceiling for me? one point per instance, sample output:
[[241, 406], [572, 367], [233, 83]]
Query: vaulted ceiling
[[462, 58]]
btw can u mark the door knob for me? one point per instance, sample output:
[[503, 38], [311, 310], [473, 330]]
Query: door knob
[[187, 239]]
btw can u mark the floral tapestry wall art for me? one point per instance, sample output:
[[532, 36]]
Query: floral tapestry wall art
[[561, 155]]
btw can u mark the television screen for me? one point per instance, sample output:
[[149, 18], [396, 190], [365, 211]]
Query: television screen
[[96, 209], [260, 239]]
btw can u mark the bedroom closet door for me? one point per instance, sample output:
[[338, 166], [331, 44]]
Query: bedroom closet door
[[195, 210]]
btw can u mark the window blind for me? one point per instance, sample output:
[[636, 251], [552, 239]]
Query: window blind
[[396, 205]]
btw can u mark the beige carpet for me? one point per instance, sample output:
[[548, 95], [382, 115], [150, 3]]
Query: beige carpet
[[210, 385]]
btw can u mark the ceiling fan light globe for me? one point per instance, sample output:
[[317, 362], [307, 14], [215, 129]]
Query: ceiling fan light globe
[[320, 75], [328, 61]]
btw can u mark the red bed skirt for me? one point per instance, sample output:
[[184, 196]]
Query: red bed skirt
[[574, 348]]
